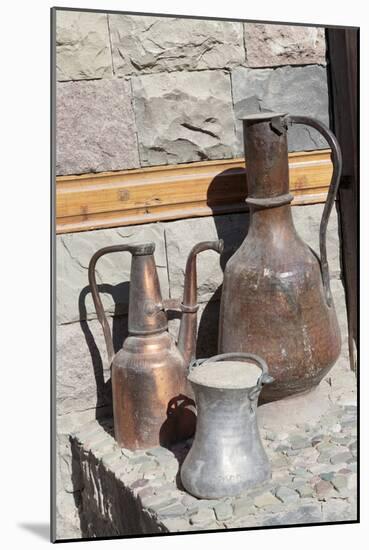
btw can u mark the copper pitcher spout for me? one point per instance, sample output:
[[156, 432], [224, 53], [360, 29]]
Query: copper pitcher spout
[[189, 306]]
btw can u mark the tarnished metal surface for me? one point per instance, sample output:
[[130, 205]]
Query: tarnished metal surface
[[227, 456], [152, 403], [276, 300]]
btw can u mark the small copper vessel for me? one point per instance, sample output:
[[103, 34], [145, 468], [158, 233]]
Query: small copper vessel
[[152, 402], [276, 298]]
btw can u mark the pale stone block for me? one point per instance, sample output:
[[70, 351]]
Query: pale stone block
[[183, 117], [144, 44], [82, 46]]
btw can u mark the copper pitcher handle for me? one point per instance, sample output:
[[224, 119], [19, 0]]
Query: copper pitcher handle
[[332, 192], [133, 249]]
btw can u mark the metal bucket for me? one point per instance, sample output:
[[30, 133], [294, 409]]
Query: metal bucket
[[227, 456]]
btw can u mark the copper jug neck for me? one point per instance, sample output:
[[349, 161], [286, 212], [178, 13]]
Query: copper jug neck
[[146, 314], [266, 154], [271, 223]]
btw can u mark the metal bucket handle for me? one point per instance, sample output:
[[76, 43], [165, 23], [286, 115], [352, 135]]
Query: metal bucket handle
[[264, 378], [333, 188]]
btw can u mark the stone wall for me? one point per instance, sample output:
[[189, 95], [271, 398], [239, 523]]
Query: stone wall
[[137, 91]]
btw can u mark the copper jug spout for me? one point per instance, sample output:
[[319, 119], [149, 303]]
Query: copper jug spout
[[189, 306]]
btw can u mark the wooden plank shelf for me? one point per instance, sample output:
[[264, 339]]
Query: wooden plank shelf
[[130, 197]]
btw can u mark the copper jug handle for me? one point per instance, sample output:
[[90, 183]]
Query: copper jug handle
[[332, 192], [133, 249]]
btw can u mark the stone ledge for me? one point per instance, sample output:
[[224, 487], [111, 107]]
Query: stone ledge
[[131, 493]]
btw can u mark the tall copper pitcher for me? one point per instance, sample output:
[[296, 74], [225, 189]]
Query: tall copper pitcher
[[276, 299]]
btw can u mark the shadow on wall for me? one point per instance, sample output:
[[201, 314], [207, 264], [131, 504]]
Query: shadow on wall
[[119, 293], [232, 229]]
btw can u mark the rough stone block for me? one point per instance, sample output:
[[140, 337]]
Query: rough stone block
[[174, 525], [203, 517], [164, 44], [82, 373], [293, 90], [324, 490], [341, 457], [223, 511], [183, 117], [69, 483], [173, 510], [95, 129], [299, 442], [73, 254], [287, 495], [305, 491], [67, 517], [243, 506], [82, 46], [280, 461], [340, 482], [309, 513], [339, 510], [64, 461], [265, 500], [270, 45]]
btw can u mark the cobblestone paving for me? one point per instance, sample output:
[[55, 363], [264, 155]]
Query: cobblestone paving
[[313, 477]]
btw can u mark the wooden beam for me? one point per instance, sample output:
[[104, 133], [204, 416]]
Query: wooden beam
[[130, 197]]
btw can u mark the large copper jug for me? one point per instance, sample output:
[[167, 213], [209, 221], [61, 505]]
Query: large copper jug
[[276, 298], [149, 374]]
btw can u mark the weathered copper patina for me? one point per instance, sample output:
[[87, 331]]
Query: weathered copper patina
[[276, 299], [151, 399]]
